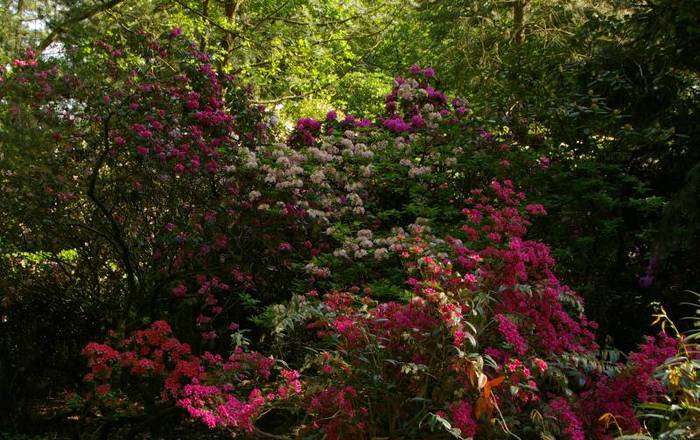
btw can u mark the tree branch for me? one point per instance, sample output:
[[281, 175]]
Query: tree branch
[[116, 230], [284, 98], [70, 21], [325, 23], [208, 19]]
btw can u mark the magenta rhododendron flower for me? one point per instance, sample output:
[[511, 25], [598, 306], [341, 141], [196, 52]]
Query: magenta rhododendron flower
[[175, 32], [417, 121], [511, 334], [462, 418]]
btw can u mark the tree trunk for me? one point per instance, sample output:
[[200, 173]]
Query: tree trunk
[[18, 29], [518, 20], [205, 14], [230, 11]]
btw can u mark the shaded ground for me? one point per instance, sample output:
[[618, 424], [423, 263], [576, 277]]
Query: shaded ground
[[52, 420]]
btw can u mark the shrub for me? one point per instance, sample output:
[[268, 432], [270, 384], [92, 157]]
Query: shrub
[[395, 298]]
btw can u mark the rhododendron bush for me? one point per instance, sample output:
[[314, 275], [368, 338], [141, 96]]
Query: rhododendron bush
[[355, 278]]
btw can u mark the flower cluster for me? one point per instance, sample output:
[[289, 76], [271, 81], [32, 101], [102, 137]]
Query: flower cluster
[[220, 392]]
